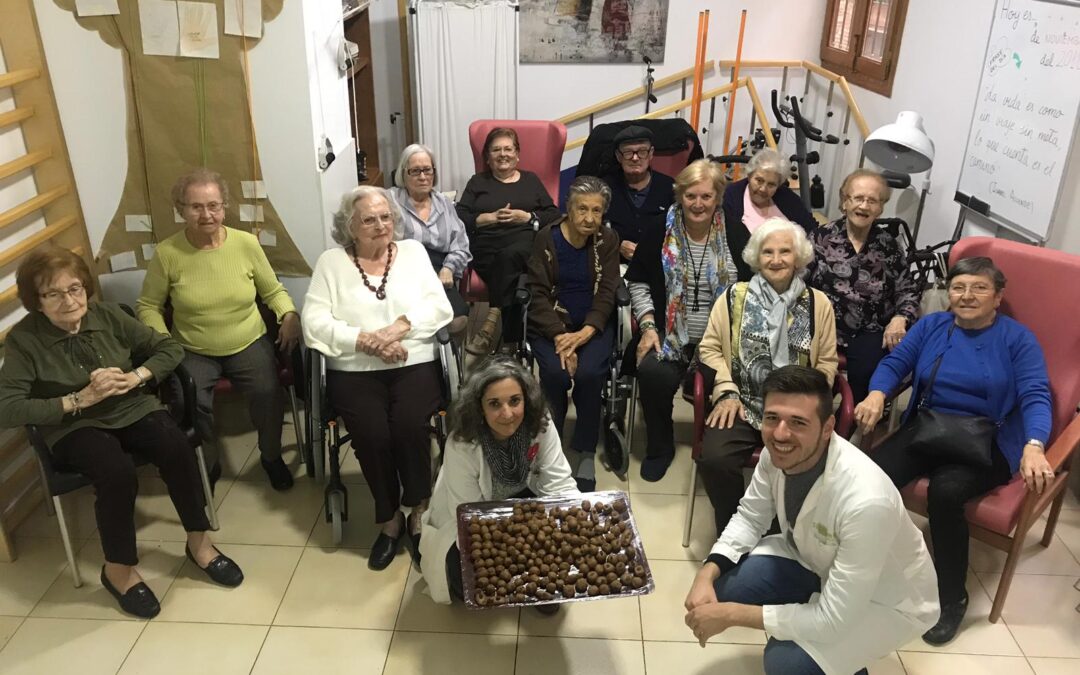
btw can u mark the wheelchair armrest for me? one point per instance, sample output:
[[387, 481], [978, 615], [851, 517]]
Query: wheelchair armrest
[[622, 294], [522, 294], [443, 335], [187, 393], [1062, 448], [699, 413]]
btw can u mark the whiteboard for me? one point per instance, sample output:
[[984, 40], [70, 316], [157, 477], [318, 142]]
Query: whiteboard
[[1025, 115]]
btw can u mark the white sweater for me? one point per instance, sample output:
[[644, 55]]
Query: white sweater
[[338, 307]]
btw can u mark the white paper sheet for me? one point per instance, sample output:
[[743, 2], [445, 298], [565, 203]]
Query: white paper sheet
[[253, 189], [96, 7], [138, 223], [148, 251], [198, 29], [177, 218], [268, 237], [252, 17], [123, 261], [159, 26], [251, 213]]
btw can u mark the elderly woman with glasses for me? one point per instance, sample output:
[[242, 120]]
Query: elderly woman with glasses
[[210, 276], [373, 308], [866, 275], [773, 320], [762, 195], [429, 217], [78, 371]]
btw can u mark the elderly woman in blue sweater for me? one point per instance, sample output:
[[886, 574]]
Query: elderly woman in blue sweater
[[990, 366]]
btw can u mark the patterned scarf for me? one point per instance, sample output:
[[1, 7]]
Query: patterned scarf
[[508, 461], [678, 277]]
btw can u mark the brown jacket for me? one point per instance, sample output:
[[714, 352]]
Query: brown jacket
[[546, 316]]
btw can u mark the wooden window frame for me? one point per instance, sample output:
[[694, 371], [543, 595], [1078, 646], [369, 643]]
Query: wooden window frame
[[867, 73]]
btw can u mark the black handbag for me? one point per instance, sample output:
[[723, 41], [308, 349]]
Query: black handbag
[[959, 439]]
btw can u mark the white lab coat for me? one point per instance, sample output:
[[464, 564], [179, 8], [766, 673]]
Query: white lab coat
[[466, 477], [879, 588]]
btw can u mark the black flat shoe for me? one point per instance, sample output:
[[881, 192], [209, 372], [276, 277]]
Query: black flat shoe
[[221, 569], [278, 472], [654, 468], [414, 540], [385, 548], [139, 600], [948, 624]]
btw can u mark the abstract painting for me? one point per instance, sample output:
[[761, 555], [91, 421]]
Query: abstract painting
[[593, 31]]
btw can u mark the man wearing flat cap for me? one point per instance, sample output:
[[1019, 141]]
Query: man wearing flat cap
[[640, 197]]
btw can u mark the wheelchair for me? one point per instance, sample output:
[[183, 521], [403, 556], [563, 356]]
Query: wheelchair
[[325, 439]]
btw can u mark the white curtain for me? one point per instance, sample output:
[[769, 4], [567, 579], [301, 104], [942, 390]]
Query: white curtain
[[466, 56]]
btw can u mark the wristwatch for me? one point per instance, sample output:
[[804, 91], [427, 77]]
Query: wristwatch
[[534, 221], [1037, 442]]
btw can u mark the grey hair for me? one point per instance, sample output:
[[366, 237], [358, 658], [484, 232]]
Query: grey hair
[[403, 163], [884, 191], [978, 265], [769, 160], [588, 185], [342, 229], [804, 250], [467, 414]]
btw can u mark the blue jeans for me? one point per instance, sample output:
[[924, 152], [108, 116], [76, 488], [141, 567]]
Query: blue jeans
[[772, 580]]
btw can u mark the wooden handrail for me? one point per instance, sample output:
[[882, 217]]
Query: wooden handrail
[[26, 208], [22, 163], [760, 63], [14, 77], [16, 115], [860, 121], [632, 94], [38, 238], [752, 90]]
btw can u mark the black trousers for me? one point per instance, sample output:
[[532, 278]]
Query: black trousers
[[387, 413], [658, 382], [105, 457], [723, 454], [453, 560], [951, 486], [500, 254], [863, 353]]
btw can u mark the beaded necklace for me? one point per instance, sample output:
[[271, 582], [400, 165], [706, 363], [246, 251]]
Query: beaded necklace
[[380, 292]]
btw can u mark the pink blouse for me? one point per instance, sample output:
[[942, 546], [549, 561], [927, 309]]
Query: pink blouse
[[753, 217]]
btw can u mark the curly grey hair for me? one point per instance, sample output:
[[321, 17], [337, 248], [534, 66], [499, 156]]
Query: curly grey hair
[[403, 163], [588, 185], [769, 160], [467, 415], [804, 250], [342, 232], [199, 176]]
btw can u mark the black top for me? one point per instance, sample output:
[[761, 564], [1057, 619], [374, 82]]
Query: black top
[[484, 193], [738, 236], [632, 222]]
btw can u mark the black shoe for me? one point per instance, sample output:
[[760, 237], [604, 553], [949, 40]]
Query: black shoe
[[139, 600], [654, 468], [414, 540], [385, 548], [221, 569], [279, 474], [585, 485], [548, 610], [948, 624]]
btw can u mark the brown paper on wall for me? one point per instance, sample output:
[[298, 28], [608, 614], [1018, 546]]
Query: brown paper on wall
[[164, 135]]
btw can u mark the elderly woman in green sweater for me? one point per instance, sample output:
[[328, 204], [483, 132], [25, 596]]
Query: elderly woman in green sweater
[[70, 368], [211, 275]]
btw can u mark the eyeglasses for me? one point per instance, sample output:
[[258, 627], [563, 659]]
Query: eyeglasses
[[76, 291], [421, 171], [635, 154], [974, 289], [212, 207], [862, 199], [386, 218]]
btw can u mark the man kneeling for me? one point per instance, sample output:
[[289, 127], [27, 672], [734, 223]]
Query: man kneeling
[[848, 579]]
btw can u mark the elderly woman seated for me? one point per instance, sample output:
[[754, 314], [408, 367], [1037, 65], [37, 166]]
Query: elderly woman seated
[[429, 217], [573, 274], [502, 208], [373, 308], [676, 274], [771, 321], [967, 363], [70, 368], [210, 274], [502, 446], [865, 273], [762, 195]]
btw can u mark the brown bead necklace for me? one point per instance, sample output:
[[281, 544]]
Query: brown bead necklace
[[380, 292]]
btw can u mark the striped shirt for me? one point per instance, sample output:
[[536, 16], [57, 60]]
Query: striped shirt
[[442, 232], [696, 322]]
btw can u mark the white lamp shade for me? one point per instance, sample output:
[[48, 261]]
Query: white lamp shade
[[902, 146]]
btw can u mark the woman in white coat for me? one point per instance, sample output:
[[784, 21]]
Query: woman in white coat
[[503, 446]]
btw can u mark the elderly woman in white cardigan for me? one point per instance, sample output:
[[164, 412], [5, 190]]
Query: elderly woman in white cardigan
[[503, 446], [373, 308]]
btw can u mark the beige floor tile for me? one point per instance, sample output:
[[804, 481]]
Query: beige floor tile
[[1034, 559], [558, 656], [254, 513], [1072, 501], [267, 571], [618, 619], [1043, 666], [359, 531], [235, 450], [342, 651], [8, 626], [158, 564], [22, 583], [420, 613], [977, 635], [252, 470], [921, 663], [336, 589], [660, 520], [1068, 530], [1041, 614], [662, 612], [86, 647], [449, 654], [155, 515], [183, 648], [890, 665], [78, 514], [688, 658]]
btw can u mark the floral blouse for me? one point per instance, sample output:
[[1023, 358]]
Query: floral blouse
[[868, 288]]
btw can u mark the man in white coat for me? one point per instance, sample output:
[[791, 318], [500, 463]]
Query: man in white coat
[[848, 579]]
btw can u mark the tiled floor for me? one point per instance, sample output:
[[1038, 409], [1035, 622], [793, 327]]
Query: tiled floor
[[306, 607]]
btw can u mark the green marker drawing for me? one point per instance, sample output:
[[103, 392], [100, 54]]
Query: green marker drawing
[[1016, 58]]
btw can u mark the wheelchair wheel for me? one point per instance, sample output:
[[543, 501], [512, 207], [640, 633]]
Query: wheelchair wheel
[[335, 512], [616, 457]]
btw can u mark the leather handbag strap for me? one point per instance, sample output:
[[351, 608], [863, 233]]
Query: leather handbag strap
[[924, 400]]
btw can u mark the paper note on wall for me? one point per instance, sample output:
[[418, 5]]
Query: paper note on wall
[[96, 7], [147, 252], [139, 223], [159, 27], [253, 189], [177, 218], [251, 213], [123, 261], [267, 237], [245, 14], [198, 29]]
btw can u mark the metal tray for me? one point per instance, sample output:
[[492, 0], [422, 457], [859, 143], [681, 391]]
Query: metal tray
[[490, 511]]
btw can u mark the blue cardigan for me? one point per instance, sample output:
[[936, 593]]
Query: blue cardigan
[[1023, 407]]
